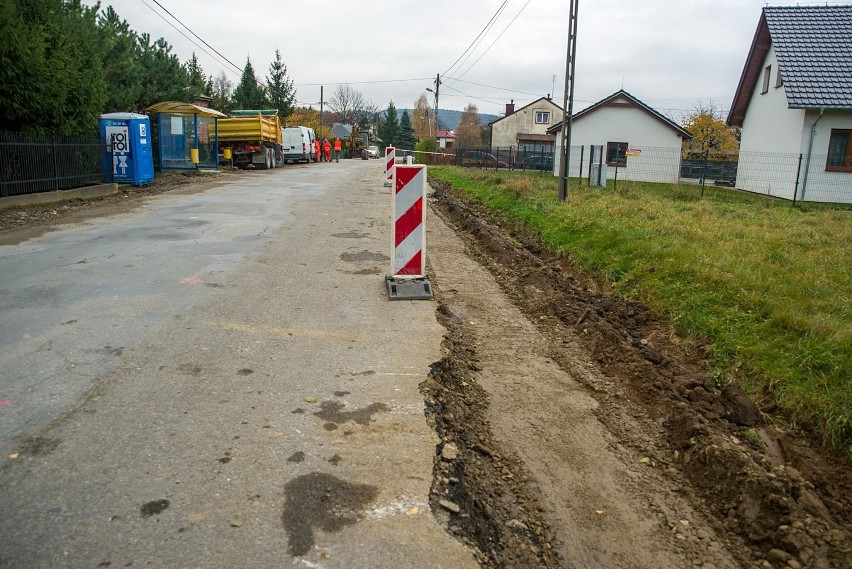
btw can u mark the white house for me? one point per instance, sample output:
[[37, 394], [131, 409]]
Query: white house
[[637, 140], [794, 105], [526, 128]]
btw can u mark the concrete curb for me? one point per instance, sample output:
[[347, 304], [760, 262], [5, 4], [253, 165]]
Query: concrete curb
[[88, 192]]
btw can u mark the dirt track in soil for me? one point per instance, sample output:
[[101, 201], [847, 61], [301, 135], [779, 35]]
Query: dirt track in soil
[[580, 433], [576, 431]]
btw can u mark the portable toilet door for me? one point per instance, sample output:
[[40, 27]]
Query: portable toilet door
[[129, 135]]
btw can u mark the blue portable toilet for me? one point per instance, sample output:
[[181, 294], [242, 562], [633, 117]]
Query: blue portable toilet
[[132, 158]]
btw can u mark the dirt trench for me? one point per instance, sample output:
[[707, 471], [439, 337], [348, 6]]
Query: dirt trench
[[578, 431]]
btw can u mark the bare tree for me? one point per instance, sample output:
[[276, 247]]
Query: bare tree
[[368, 114], [347, 102], [468, 132], [221, 90]]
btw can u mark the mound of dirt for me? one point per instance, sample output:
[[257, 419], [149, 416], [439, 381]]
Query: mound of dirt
[[772, 492]]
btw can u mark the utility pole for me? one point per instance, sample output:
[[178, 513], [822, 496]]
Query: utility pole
[[321, 101], [437, 91], [568, 101]]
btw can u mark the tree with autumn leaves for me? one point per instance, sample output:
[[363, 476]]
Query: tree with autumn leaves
[[711, 137]]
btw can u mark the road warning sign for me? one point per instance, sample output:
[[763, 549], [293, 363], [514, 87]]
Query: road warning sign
[[390, 160], [408, 280]]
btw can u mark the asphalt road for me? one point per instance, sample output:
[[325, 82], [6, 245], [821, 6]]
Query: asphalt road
[[218, 380]]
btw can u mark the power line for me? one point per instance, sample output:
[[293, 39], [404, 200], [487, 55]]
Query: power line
[[178, 30], [196, 35], [498, 37], [487, 26], [472, 96], [455, 79], [479, 41], [362, 82]]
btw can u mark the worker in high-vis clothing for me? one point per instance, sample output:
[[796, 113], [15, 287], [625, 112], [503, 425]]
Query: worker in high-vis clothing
[[326, 146], [317, 149], [338, 147]]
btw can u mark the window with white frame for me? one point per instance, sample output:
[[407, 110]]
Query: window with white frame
[[542, 117]]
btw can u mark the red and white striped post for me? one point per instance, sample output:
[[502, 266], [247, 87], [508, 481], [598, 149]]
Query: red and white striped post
[[408, 279], [390, 160]]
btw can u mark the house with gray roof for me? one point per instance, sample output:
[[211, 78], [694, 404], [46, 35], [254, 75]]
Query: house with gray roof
[[794, 105]]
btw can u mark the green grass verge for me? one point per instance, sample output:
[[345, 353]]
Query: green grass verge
[[770, 284]]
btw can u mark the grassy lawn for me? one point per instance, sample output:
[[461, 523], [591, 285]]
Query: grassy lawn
[[769, 283]]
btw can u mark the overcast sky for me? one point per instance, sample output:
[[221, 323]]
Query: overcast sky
[[671, 54]]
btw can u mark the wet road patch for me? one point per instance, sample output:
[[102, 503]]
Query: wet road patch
[[333, 412], [153, 508], [321, 501]]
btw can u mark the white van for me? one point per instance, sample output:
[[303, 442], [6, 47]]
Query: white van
[[298, 144]]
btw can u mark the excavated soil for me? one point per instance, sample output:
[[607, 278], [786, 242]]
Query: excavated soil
[[578, 431]]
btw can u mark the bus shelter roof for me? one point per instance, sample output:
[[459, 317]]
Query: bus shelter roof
[[179, 108]]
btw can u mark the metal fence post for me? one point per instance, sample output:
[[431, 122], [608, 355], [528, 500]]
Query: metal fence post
[[55, 164], [798, 173], [582, 152], [703, 172]]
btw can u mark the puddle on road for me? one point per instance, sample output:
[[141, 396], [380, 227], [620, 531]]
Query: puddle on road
[[321, 501], [333, 412]]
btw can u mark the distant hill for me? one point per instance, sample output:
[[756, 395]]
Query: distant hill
[[449, 119]]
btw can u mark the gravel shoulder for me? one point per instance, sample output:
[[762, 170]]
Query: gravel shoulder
[[610, 427]]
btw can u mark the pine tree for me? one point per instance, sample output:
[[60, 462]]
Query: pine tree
[[164, 78], [406, 139], [249, 94], [119, 51], [197, 80], [279, 87], [389, 129], [51, 71]]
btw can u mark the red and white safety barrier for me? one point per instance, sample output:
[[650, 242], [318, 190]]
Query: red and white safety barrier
[[390, 162], [409, 229]]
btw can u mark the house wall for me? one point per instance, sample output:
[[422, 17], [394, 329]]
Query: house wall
[[772, 137], [816, 184], [504, 131], [660, 144]]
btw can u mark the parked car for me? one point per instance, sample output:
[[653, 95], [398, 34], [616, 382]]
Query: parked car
[[298, 144], [372, 151], [538, 162], [479, 159]]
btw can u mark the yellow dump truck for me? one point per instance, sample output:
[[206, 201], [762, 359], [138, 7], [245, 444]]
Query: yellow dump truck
[[253, 137]]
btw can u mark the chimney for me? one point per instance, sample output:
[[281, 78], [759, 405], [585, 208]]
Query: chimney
[[510, 108]]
